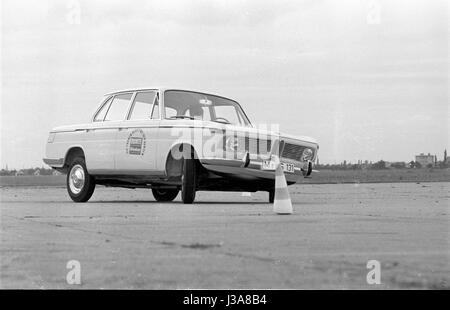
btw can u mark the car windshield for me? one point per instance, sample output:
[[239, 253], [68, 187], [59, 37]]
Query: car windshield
[[179, 104]]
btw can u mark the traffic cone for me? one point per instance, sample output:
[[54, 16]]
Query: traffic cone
[[282, 203]]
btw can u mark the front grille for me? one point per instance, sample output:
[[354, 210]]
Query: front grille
[[293, 151]]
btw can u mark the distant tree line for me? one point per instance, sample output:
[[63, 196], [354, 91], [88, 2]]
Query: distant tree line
[[27, 171], [379, 165]]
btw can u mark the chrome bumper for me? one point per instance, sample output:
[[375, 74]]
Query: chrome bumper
[[247, 168]]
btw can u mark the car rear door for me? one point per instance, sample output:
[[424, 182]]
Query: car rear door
[[100, 137]]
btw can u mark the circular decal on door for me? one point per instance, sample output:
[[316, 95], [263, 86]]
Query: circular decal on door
[[136, 142]]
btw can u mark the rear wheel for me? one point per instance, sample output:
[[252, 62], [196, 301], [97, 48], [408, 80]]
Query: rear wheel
[[188, 180], [80, 184], [164, 194]]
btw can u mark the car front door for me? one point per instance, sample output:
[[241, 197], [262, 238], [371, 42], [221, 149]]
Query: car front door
[[136, 141]]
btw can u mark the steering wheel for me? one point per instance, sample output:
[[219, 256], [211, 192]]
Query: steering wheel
[[224, 119]]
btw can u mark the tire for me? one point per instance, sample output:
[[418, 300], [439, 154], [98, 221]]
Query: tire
[[80, 184], [164, 194], [188, 181], [271, 195]]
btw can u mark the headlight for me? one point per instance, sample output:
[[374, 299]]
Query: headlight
[[232, 144], [307, 154]]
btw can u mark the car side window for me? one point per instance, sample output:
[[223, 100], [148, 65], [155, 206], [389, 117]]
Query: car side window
[[142, 106], [101, 114], [119, 107]]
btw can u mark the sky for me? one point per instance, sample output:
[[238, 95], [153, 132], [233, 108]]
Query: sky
[[368, 79]]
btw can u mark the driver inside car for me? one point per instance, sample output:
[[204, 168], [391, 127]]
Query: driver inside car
[[196, 112]]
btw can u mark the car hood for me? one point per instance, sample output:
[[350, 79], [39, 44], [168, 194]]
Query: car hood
[[264, 132]]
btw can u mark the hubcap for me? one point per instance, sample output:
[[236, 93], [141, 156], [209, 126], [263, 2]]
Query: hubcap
[[76, 179]]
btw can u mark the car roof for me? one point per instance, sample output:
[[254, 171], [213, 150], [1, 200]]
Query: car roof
[[163, 89], [132, 90]]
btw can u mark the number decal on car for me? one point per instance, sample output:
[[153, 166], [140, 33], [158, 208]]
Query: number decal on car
[[136, 142]]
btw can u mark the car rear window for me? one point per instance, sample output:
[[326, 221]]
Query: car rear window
[[101, 114]]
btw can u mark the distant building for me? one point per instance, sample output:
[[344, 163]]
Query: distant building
[[54, 172], [425, 160], [20, 172], [399, 165]]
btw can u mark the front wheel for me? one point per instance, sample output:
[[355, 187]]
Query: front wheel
[[188, 181], [80, 184], [271, 195], [164, 194]]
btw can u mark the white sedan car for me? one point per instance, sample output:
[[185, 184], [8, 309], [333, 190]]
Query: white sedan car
[[173, 140]]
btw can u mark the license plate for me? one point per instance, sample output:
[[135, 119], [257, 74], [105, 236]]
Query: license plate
[[288, 167], [270, 165]]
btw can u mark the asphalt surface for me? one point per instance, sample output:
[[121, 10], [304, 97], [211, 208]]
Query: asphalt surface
[[124, 239]]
